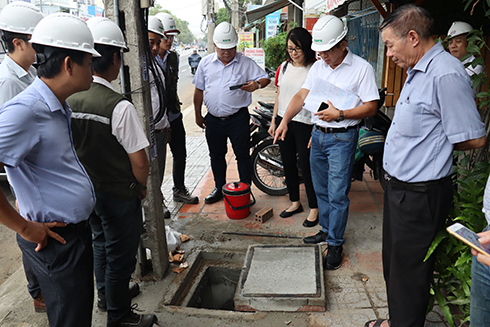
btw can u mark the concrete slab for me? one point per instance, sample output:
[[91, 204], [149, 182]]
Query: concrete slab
[[281, 278]]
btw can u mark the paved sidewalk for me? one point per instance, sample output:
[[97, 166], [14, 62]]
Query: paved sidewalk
[[355, 292]]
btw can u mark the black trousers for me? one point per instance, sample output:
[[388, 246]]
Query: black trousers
[[236, 128], [65, 275], [410, 222], [116, 226], [296, 143], [179, 152]]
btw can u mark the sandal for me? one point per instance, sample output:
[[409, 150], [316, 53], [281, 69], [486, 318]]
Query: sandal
[[377, 322]]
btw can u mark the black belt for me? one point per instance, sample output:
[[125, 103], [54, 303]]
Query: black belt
[[71, 227], [331, 130], [420, 187], [228, 117]]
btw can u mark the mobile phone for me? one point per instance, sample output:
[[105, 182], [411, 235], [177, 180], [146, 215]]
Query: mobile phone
[[322, 107], [469, 237], [236, 87]]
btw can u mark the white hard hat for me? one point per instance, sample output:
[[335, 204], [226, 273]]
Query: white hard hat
[[155, 25], [169, 26], [106, 32], [225, 36], [62, 30], [20, 17], [458, 28], [327, 32]]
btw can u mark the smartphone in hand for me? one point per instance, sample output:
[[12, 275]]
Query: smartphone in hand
[[236, 87], [322, 107], [469, 237]]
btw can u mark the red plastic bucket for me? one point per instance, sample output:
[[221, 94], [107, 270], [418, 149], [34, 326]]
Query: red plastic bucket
[[237, 200]]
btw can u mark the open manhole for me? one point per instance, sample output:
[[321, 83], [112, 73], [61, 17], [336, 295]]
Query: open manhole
[[267, 278]]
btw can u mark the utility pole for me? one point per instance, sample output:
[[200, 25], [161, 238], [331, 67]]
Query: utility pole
[[210, 21], [235, 21], [136, 62]]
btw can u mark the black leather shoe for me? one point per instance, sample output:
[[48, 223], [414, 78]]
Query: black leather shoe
[[214, 196], [319, 237], [334, 257], [134, 289], [287, 214], [133, 319], [313, 223]]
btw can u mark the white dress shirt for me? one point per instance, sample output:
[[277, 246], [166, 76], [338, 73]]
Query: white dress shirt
[[14, 79]]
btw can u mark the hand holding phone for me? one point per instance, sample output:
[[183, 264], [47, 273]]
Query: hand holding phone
[[469, 237], [236, 87], [322, 107]]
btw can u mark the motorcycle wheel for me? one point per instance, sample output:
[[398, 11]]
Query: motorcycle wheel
[[268, 178]]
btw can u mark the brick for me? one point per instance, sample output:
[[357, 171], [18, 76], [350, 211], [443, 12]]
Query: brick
[[263, 214]]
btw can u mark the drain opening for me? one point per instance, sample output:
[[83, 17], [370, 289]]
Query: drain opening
[[216, 289]]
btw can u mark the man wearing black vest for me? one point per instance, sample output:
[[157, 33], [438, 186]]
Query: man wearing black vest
[[110, 143], [169, 61]]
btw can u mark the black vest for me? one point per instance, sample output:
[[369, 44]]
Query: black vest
[[103, 157], [171, 79]]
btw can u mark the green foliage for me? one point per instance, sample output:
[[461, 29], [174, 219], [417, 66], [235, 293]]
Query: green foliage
[[275, 50], [185, 35], [223, 16]]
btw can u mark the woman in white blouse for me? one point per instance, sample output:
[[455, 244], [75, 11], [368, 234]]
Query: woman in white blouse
[[292, 74]]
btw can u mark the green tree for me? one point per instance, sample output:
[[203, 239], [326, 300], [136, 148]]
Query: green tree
[[222, 16], [185, 35]]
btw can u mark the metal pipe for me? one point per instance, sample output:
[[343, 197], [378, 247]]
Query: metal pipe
[[259, 234]]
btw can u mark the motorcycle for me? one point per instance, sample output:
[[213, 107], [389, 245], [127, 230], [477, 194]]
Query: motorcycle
[[194, 61], [268, 170]]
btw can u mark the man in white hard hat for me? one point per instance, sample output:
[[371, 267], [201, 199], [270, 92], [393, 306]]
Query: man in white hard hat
[[169, 61], [227, 115], [57, 199], [334, 137], [155, 35], [110, 142], [434, 115], [17, 22], [458, 45]]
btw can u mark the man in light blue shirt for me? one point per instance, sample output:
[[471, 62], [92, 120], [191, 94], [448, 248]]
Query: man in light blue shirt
[[228, 115], [434, 115], [37, 150]]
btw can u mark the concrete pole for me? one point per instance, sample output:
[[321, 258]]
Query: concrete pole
[[209, 17], [154, 236], [235, 21]]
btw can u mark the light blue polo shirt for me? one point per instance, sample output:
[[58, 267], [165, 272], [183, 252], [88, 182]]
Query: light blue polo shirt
[[36, 147], [215, 79], [436, 110]]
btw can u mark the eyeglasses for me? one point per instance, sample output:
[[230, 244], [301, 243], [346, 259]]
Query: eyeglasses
[[168, 37], [297, 50], [226, 50]]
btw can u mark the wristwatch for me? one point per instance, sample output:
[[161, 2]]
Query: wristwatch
[[260, 85], [341, 116]]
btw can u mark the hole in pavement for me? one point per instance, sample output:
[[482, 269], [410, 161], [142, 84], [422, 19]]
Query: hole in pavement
[[216, 289]]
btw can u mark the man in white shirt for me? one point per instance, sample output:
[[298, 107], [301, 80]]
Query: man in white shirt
[[228, 115], [110, 142], [17, 22], [458, 45], [334, 137]]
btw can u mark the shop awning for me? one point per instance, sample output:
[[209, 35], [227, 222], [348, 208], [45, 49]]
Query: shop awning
[[263, 11], [332, 4]]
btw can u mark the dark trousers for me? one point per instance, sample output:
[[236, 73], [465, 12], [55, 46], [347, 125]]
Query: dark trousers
[[161, 139], [65, 275], [179, 152], [236, 128], [410, 222], [116, 226], [295, 148]]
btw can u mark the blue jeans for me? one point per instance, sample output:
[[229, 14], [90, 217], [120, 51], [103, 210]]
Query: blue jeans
[[480, 293], [331, 160]]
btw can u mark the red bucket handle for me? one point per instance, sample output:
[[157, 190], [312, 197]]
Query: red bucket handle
[[242, 207]]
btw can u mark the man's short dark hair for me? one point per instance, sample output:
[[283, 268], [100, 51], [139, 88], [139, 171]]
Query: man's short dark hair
[[409, 17], [8, 37], [103, 63], [54, 58]]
